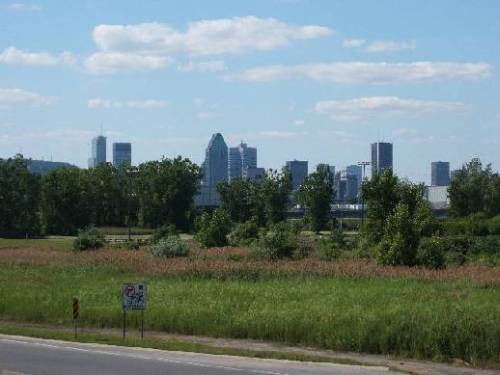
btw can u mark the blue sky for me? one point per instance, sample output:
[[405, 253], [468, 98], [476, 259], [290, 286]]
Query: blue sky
[[305, 79]]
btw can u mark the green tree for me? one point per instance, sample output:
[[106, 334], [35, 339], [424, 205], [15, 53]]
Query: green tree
[[19, 199], [236, 198], [165, 191], [212, 228], [275, 195], [316, 195], [66, 201]]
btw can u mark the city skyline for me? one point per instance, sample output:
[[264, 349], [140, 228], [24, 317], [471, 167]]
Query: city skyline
[[327, 80]]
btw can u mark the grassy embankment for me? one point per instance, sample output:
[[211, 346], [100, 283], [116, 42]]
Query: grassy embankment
[[344, 306]]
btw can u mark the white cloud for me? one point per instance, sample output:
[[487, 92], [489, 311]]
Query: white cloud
[[25, 7], [299, 122], [98, 103], [277, 134], [16, 96], [368, 72], [203, 66], [389, 46], [14, 56], [362, 108], [205, 37], [112, 62], [353, 43]]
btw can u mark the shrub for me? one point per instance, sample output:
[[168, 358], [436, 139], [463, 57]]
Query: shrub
[[430, 252], [304, 247], [278, 242], [327, 250], [90, 238], [494, 225], [244, 233], [296, 226], [170, 247], [164, 231], [212, 229]]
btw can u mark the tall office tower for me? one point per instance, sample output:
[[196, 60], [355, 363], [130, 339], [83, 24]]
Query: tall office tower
[[381, 157], [98, 153], [122, 154], [298, 170], [340, 188], [214, 170], [241, 158], [440, 173], [357, 171]]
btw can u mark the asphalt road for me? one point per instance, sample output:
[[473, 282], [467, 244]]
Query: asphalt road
[[22, 355]]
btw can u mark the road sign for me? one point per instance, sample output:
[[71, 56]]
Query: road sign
[[134, 296], [75, 308]]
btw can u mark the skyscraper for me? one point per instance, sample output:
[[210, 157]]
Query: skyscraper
[[298, 170], [381, 157], [357, 171], [98, 153], [214, 170], [122, 154], [241, 158], [440, 173]]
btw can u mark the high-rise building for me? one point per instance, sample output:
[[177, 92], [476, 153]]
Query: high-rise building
[[381, 157], [357, 171], [122, 154], [298, 170], [440, 173], [254, 174], [215, 170], [241, 158], [98, 152], [347, 185]]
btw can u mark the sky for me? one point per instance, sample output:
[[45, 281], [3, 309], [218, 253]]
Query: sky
[[315, 80]]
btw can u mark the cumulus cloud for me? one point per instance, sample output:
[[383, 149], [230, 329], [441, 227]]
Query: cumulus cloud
[[203, 66], [25, 7], [362, 108], [98, 103], [389, 46], [16, 96], [112, 62], [368, 72], [204, 37], [14, 56], [353, 43]]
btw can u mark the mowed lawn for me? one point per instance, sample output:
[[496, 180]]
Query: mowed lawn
[[410, 317]]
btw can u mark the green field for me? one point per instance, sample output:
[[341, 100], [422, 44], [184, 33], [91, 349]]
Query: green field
[[422, 319]]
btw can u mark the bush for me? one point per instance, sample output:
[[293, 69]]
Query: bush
[[431, 251], [244, 233], [212, 229], [327, 250], [494, 225], [88, 239], [170, 247], [164, 231], [304, 247], [278, 242]]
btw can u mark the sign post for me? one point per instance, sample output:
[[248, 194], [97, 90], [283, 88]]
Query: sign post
[[134, 297], [75, 313]]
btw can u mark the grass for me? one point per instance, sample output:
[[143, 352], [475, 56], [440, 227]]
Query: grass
[[408, 317]]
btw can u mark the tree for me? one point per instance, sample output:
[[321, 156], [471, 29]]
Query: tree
[[165, 191], [275, 194], [316, 195], [212, 229], [474, 189], [236, 198], [19, 199], [66, 201]]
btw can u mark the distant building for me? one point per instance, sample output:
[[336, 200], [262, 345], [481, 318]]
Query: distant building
[[298, 170], [437, 196], [381, 157], [215, 170], [241, 158], [440, 173], [42, 167], [254, 174], [122, 154], [346, 185], [98, 152], [357, 171], [331, 168], [340, 188]]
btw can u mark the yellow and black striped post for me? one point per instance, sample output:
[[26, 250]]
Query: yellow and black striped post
[[76, 305]]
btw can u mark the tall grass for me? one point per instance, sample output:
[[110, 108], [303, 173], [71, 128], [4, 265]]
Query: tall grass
[[417, 318]]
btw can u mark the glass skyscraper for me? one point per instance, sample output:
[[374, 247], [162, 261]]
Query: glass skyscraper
[[241, 158], [214, 169], [122, 154], [98, 152], [381, 157], [440, 173]]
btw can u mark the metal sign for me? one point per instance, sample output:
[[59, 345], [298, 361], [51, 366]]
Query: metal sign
[[75, 308], [134, 296]]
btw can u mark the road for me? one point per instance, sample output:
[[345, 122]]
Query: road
[[23, 355]]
